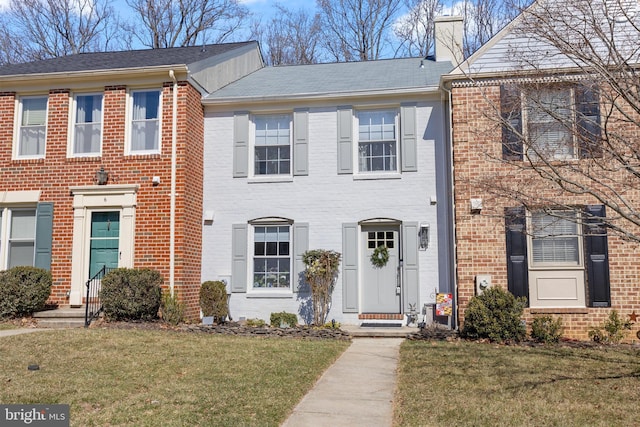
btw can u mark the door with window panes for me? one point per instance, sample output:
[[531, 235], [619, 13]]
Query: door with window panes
[[380, 292]]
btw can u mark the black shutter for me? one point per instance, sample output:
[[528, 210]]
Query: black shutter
[[511, 112], [516, 234], [597, 256], [588, 121]]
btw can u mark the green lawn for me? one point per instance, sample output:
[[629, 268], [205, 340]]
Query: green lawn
[[161, 378], [479, 384]]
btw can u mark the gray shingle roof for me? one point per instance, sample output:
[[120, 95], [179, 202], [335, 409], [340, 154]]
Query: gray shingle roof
[[317, 79], [97, 61]]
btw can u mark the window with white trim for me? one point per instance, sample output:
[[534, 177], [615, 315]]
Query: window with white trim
[[555, 238], [17, 237], [32, 127], [272, 257], [550, 119], [272, 144], [87, 125], [377, 141], [145, 121]]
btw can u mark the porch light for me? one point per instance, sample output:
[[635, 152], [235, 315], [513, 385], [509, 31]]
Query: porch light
[[102, 176]]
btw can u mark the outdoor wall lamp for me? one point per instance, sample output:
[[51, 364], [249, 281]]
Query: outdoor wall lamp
[[102, 176]]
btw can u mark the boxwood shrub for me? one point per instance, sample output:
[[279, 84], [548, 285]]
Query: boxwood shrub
[[213, 300], [283, 318], [495, 314], [131, 294], [23, 291]]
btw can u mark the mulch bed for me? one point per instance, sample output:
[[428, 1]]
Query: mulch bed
[[231, 328]]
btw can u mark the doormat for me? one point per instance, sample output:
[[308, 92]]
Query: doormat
[[381, 325]]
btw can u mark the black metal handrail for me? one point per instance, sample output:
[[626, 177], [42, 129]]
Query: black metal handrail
[[93, 305]]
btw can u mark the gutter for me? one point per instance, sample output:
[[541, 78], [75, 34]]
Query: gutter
[[172, 209]]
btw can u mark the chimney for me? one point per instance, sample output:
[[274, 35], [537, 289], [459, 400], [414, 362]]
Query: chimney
[[448, 39]]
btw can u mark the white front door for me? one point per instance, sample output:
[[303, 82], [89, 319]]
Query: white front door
[[380, 285]]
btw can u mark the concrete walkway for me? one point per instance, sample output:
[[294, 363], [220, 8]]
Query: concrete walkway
[[357, 390], [10, 332]]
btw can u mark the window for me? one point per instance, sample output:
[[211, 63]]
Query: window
[[272, 145], [271, 257], [558, 258], [145, 121], [18, 236], [87, 125], [555, 239], [553, 122], [32, 127], [377, 144]]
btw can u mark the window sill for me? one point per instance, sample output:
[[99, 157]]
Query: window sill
[[269, 179], [374, 175], [572, 310], [274, 295], [28, 159], [92, 158]]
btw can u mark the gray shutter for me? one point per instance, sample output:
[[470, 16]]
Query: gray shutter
[[240, 145], [345, 140], [301, 142], [239, 258], [409, 139], [300, 246], [350, 268], [44, 235], [411, 294]]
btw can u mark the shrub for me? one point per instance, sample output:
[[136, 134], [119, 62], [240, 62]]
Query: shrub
[[283, 319], [256, 323], [213, 300], [23, 291], [614, 328], [546, 329], [172, 308], [321, 273], [131, 294], [495, 314]]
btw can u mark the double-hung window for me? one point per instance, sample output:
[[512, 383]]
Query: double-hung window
[[145, 121], [87, 131], [32, 127], [17, 236], [550, 119], [272, 257], [272, 144], [555, 239], [377, 141]]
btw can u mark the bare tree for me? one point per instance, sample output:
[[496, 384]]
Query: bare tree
[[291, 37], [573, 123], [482, 19], [415, 30], [356, 30], [170, 23], [40, 29]]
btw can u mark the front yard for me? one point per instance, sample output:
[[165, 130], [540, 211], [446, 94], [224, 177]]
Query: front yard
[[480, 384], [162, 378]]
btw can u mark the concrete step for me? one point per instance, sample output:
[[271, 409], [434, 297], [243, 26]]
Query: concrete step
[[357, 331], [61, 318]]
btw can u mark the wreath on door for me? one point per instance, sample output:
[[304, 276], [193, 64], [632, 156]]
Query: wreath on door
[[380, 256]]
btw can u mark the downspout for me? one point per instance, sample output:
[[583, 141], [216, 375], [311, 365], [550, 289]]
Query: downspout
[[452, 206], [172, 209]]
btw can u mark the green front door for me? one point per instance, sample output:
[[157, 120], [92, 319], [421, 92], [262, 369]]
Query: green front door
[[105, 235]]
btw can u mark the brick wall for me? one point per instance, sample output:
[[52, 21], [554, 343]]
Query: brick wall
[[478, 171], [56, 173]]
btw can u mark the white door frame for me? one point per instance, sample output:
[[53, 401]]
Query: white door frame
[[94, 198]]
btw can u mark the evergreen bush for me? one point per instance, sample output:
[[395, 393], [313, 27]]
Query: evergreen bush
[[546, 329], [213, 300], [283, 319], [495, 314], [131, 294], [172, 308], [23, 291]]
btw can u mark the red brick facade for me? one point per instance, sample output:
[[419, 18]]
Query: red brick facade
[[480, 235], [54, 174]]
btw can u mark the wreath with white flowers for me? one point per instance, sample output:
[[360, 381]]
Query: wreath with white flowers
[[380, 256]]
